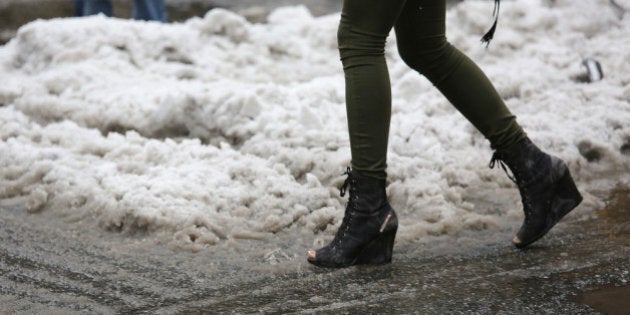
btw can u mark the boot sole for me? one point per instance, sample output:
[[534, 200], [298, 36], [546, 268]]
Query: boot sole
[[376, 252], [379, 251], [567, 198]]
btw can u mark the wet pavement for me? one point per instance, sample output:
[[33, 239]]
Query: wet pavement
[[51, 264]]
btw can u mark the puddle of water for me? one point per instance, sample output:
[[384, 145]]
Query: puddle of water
[[614, 300], [611, 301], [617, 212]]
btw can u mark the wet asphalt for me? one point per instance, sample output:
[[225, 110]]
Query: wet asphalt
[[63, 265]]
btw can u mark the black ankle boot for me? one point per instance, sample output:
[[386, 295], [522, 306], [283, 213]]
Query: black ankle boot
[[547, 190], [368, 229]]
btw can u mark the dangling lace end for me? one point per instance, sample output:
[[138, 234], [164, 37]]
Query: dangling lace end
[[497, 157], [490, 34]]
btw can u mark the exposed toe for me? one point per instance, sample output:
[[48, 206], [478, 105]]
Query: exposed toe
[[311, 255], [516, 240]]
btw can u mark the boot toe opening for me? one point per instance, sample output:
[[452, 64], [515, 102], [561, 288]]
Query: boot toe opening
[[516, 240]]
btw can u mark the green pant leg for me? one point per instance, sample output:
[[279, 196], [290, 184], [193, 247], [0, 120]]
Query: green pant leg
[[470, 91], [422, 44], [420, 29], [363, 30]]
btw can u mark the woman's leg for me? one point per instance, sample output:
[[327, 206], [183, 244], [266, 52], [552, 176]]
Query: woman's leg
[[547, 190], [363, 30], [78, 7], [420, 31], [368, 229], [92, 7], [149, 10]]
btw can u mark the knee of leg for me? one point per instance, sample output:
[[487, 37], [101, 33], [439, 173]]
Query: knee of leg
[[429, 56], [343, 35], [354, 42], [412, 58]]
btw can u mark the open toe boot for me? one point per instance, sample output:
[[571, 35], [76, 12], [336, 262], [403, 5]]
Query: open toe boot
[[368, 228], [547, 190]]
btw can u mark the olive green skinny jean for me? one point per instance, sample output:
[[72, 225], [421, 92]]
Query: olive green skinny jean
[[420, 33]]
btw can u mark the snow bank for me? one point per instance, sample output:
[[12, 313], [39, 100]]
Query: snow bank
[[217, 129]]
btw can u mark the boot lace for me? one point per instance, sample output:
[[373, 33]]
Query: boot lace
[[497, 157], [344, 187], [347, 217], [490, 34]]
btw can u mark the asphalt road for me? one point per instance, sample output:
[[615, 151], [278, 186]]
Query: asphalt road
[[50, 264]]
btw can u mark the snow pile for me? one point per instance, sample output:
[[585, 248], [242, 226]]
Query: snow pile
[[218, 129]]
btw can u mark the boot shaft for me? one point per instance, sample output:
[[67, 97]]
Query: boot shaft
[[525, 160], [367, 194]]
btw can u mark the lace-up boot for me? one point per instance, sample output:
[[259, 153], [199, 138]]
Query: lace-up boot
[[547, 190], [368, 228]]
